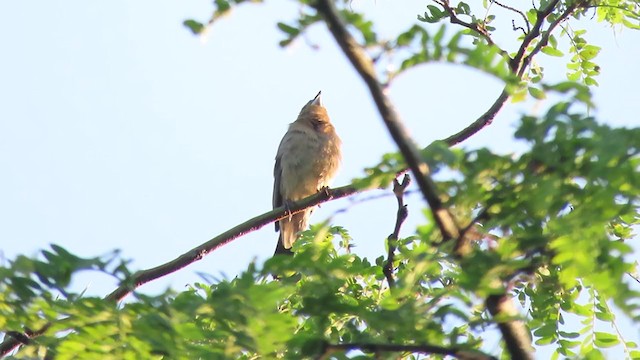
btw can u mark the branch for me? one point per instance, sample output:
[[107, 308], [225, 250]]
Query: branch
[[518, 65], [13, 339], [514, 331], [484, 120], [401, 216], [545, 37], [199, 252], [422, 349], [364, 66]]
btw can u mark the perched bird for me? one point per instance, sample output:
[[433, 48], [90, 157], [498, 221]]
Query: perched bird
[[308, 159]]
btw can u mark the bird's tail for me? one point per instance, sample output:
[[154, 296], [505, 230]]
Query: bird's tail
[[280, 249], [289, 229]]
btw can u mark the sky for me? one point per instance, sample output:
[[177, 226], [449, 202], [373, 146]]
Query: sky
[[119, 129]]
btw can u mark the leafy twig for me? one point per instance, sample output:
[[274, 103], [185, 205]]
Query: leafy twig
[[454, 19], [544, 39]]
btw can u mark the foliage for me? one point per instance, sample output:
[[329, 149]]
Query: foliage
[[553, 227]]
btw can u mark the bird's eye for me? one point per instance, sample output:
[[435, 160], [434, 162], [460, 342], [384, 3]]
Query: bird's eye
[[317, 123]]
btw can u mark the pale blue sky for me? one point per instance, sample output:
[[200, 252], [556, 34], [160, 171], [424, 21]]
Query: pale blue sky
[[119, 129]]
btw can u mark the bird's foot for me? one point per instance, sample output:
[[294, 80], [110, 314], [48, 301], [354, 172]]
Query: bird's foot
[[287, 208], [325, 190]]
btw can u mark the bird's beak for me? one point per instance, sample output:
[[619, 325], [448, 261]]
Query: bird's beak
[[317, 100]]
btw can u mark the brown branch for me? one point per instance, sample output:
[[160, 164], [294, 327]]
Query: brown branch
[[514, 332], [401, 216], [544, 39], [484, 120], [516, 63], [199, 252], [421, 349], [13, 339], [364, 66]]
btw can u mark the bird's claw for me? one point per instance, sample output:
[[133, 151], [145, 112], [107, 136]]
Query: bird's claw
[[287, 208]]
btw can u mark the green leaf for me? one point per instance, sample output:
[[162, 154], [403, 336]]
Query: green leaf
[[195, 27], [551, 51], [605, 340], [288, 29], [537, 93]]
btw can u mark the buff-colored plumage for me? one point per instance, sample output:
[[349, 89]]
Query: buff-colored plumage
[[307, 160]]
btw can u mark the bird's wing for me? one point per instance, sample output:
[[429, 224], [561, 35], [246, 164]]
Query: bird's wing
[[277, 196]]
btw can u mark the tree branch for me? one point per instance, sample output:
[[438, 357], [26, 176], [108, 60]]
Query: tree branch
[[484, 120], [13, 339], [422, 349], [516, 64], [401, 216], [514, 331], [364, 66], [544, 39], [253, 224]]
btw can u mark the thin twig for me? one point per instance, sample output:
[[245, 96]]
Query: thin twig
[[526, 21], [401, 216]]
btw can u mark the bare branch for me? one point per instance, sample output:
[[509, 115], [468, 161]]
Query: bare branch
[[401, 216], [199, 252], [518, 64], [484, 120]]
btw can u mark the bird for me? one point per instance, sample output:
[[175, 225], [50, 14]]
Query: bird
[[308, 159]]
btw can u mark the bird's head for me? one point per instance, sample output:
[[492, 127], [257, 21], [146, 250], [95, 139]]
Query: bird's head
[[315, 114]]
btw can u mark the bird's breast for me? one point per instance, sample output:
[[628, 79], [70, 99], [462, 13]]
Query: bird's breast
[[309, 162]]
